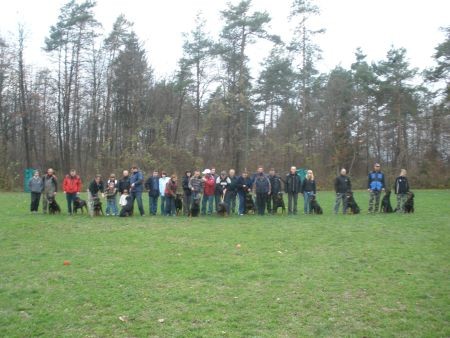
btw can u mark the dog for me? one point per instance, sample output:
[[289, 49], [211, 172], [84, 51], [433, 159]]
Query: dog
[[386, 206], [409, 204], [351, 203], [315, 207], [53, 207], [78, 203], [127, 210], [97, 206], [178, 204], [278, 202], [195, 208], [249, 204], [222, 209]]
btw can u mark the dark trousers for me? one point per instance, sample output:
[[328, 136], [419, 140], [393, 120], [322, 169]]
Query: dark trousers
[[70, 197], [187, 201], [137, 195], [230, 200], [261, 201], [170, 206], [153, 204], [292, 202], [35, 197], [271, 203]]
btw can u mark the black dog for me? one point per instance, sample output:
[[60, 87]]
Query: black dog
[[78, 203], [278, 202], [127, 210], [386, 206], [315, 207], [222, 209], [195, 208], [409, 204], [97, 205], [178, 204], [249, 203], [53, 207], [351, 203]]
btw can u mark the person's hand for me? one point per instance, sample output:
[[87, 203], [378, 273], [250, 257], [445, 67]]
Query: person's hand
[[369, 190], [64, 192], [54, 194], [132, 185]]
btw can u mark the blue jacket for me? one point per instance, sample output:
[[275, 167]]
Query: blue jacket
[[152, 185], [138, 179], [376, 181]]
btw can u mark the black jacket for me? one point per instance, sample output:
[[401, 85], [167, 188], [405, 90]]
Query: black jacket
[[185, 185], [275, 183], [309, 186], [401, 185], [124, 183], [95, 188], [342, 184], [152, 186], [293, 184]]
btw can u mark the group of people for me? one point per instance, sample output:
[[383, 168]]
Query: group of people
[[207, 190]]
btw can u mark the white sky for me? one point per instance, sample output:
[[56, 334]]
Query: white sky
[[372, 25]]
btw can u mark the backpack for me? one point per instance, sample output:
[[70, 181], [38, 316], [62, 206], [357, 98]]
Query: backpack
[[261, 184]]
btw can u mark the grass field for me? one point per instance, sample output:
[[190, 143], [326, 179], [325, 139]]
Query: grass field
[[304, 276]]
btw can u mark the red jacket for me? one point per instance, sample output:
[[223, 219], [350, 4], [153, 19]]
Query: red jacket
[[71, 184], [209, 186]]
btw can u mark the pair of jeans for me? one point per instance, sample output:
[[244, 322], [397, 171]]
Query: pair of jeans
[[137, 195], [340, 196], [153, 204], [111, 206], [163, 205], [35, 197], [70, 197], [307, 195], [207, 200], [187, 201], [230, 200], [292, 203], [170, 206]]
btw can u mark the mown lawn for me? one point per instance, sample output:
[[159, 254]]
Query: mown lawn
[[362, 275]]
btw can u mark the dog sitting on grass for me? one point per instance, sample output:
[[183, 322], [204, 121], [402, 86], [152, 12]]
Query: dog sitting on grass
[[97, 206], [278, 202], [409, 204], [222, 209], [178, 204], [78, 203], [315, 207], [195, 208], [386, 206], [53, 207], [351, 203], [249, 204]]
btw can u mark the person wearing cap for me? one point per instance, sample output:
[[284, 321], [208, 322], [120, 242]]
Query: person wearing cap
[[71, 188], [375, 186], [137, 187], [162, 188], [222, 184], [208, 192]]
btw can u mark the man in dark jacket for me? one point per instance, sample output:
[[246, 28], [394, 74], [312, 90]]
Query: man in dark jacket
[[292, 188], [137, 187], [152, 186], [50, 183], [187, 196], [95, 188], [375, 186], [342, 186], [275, 184], [124, 182], [262, 189], [244, 187], [230, 197]]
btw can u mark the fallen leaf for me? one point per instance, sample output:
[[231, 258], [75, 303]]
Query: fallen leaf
[[123, 319], [161, 320]]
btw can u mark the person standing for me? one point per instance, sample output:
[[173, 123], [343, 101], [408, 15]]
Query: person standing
[[222, 183], [152, 186], [137, 187], [111, 200], [71, 188], [36, 185], [50, 183], [342, 186], [244, 187], [230, 197], [292, 188], [375, 186], [275, 189], [196, 186], [162, 188], [208, 192], [187, 192], [171, 193], [95, 188], [309, 190], [262, 189], [124, 182], [401, 190]]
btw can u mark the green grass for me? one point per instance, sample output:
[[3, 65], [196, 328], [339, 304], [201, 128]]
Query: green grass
[[361, 275]]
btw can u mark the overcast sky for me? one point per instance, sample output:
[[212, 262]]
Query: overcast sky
[[372, 25]]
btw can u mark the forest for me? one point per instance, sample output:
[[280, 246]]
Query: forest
[[99, 108]]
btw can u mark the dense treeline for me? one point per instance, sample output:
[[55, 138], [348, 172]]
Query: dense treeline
[[99, 108]]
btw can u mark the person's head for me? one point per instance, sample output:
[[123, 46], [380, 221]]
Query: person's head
[[244, 174], [155, 173], [173, 177], [223, 174], [310, 175], [196, 173], [213, 171], [293, 170], [134, 169], [73, 172], [50, 171], [98, 178], [188, 173], [231, 172], [377, 167], [403, 172], [272, 172], [125, 191], [111, 185], [125, 173], [207, 172], [163, 174], [112, 177], [343, 172], [260, 169], [36, 173]]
